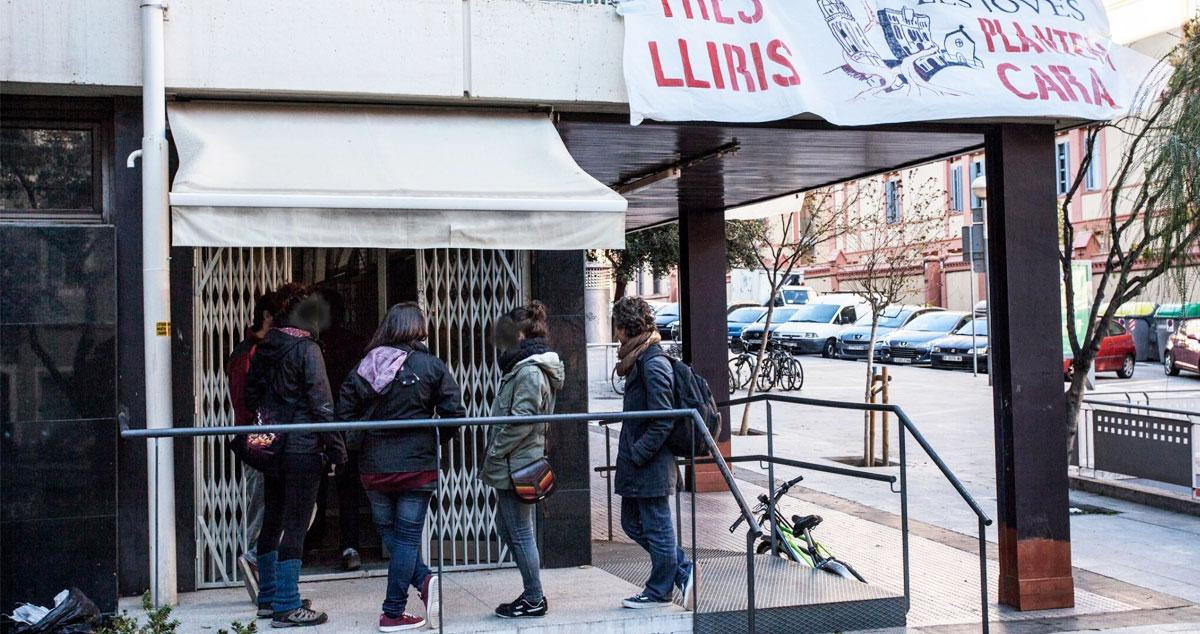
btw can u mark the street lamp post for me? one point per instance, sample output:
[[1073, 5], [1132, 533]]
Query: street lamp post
[[979, 189]]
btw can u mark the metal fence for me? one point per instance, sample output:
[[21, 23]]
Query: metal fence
[[1149, 435]]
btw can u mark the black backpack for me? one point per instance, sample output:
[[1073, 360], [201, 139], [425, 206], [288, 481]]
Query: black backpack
[[691, 392]]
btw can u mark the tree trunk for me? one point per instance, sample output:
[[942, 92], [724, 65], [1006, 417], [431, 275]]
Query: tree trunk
[[867, 392], [1074, 401], [754, 372]]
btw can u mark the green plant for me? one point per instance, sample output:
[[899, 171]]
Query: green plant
[[159, 621], [238, 628]]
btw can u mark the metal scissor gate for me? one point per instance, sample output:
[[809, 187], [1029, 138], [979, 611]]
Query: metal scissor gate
[[462, 290]]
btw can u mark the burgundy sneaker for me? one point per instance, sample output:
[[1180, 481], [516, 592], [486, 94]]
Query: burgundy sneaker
[[400, 623], [430, 593]]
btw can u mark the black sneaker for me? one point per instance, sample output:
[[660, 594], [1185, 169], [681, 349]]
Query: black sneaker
[[265, 611], [640, 601], [300, 617], [522, 608]]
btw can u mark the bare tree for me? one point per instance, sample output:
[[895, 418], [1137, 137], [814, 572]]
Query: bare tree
[[893, 235], [782, 246], [1151, 210]]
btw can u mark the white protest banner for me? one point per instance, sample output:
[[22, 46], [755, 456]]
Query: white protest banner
[[857, 62]]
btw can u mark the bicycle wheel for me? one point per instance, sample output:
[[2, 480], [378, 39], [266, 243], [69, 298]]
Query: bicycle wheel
[[768, 374], [740, 369], [617, 382], [795, 375]]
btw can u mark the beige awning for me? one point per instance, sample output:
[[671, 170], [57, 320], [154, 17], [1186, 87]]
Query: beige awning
[[383, 177]]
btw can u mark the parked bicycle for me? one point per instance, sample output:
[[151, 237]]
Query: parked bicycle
[[794, 540], [617, 381], [780, 369]]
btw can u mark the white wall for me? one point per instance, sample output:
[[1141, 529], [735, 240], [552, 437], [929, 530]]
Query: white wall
[[439, 50]]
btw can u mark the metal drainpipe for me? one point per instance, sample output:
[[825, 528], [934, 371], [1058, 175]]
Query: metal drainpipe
[[156, 303]]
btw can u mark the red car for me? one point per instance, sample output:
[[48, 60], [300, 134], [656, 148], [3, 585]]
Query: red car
[[1117, 353], [1183, 348]]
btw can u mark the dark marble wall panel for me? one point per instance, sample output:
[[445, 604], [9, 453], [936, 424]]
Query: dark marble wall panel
[[126, 215], [566, 526], [43, 557], [58, 429], [55, 274], [48, 470]]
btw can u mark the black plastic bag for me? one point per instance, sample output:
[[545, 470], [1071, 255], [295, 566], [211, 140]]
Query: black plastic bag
[[76, 614]]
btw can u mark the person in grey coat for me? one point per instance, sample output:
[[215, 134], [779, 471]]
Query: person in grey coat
[[533, 375], [646, 476]]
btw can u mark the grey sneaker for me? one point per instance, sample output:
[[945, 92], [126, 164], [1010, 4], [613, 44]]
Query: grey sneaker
[[300, 617], [265, 611]]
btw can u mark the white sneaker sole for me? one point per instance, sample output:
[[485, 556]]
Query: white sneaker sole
[[433, 607], [402, 628], [643, 606]]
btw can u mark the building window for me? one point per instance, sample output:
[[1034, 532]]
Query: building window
[[1091, 178], [892, 202], [49, 172], [1062, 166], [976, 172], [956, 189]]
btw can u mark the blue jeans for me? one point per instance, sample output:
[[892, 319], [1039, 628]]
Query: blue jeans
[[647, 521], [400, 518], [514, 522]]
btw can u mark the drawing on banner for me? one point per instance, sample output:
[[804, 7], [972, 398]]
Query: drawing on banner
[[915, 55]]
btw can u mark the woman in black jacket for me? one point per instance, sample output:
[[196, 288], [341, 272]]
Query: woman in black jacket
[[399, 379], [287, 383]]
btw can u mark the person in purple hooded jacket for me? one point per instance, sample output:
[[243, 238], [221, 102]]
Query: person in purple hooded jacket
[[399, 379]]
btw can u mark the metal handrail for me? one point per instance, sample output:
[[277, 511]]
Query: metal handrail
[[753, 532], [1148, 408], [982, 517]]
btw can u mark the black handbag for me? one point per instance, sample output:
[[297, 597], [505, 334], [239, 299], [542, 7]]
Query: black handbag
[[534, 482]]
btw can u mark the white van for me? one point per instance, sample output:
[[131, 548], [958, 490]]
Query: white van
[[795, 295], [815, 326]]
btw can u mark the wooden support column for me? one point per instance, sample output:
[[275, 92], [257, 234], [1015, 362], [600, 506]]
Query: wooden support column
[[702, 292], [1031, 428]]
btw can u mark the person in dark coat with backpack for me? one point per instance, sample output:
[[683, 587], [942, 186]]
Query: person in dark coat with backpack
[[646, 476], [287, 384], [400, 379]]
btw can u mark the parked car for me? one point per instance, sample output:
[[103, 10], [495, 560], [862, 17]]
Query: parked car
[[852, 343], [795, 295], [737, 321], [665, 317], [911, 344], [1117, 353], [1183, 348], [815, 326], [752, 335], [960, 348]]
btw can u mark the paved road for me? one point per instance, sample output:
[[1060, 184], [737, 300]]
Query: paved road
[[1140, 545]]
